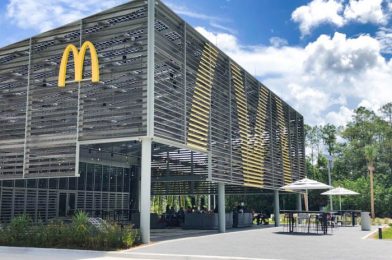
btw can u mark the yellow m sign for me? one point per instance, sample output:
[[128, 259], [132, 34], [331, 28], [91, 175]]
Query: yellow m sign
[[79, 63]]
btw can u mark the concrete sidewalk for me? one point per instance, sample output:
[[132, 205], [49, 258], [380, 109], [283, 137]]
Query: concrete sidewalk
[[265, 243], [271, 243]]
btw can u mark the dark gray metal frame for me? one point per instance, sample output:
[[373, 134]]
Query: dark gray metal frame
[[150, 66]]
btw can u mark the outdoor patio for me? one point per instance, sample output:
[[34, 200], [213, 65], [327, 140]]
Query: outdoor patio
[[270, 243], [244, 244]]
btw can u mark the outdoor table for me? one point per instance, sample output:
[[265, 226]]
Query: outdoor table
[[320, 216], [353, 214]]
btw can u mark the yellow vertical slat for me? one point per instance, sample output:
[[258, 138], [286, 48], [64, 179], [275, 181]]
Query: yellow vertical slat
[[287, 178], [198, 133]]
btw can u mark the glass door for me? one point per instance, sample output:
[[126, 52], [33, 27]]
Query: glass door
[[67, 204]]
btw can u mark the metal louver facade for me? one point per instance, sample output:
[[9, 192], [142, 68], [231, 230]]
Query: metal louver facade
[[202, 101], [206, 101], [42, 125]]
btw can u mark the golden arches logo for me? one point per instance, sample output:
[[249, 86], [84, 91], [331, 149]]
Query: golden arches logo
[[79, 63]]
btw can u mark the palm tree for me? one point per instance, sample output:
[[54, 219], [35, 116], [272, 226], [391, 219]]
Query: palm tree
[[370, 154]]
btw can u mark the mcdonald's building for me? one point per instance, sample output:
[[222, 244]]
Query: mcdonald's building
[[106, 112]]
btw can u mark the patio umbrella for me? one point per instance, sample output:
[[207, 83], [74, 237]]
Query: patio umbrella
[[306, 184], [340, 191]]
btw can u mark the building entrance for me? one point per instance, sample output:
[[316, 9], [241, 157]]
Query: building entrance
[[67, 204]]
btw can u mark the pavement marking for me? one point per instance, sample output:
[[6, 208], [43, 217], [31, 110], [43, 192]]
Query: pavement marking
[[186, 238], [203, 256], [373, 232]]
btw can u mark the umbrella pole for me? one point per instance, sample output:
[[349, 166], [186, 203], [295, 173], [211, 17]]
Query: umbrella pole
[[306, 200], [340, 202]]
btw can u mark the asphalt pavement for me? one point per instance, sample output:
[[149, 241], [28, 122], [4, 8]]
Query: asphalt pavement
[[239, 244]]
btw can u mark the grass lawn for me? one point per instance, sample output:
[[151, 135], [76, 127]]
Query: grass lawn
[[386, 233]]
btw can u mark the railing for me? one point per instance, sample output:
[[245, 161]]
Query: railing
[[307, 221]]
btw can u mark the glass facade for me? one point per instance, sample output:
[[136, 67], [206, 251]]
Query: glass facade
[[101, 191]]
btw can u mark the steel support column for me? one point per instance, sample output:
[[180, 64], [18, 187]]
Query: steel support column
[[145, 190], [276, 208], [221, 207], [299, 201], [150, 66]]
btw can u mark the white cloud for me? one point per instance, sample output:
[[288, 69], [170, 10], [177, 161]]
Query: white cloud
[[308, 98], [278, 42], [219, 23], [224, 41], [318, 12], [323, 80], [384, 36], [339, 13], [340, 117], [183, 10], [365, 11], [341, 56], [46, 14], [222, 27], [365, 103]]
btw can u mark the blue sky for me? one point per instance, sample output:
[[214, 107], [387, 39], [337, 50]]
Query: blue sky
[[324, 57]]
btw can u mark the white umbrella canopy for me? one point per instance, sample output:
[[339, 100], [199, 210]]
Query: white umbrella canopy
[[306, 184], [340, 191]]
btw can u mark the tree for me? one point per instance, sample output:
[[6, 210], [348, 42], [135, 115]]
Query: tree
[[386, 110], [361, 131], [328, 134], [370, 154], [313, 138], [353, 158]]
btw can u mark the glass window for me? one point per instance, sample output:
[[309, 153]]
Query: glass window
[[98, 180], [113, 175], [126, 180], [53, 183], [20, 183], [90, 177], [32, 183], [43, 183], [82, 179], [105, 178], [8, 183], [120, 181], [72, 183], [63, 184]]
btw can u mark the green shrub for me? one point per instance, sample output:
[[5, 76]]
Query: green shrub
[[81, 228], [19, 229], [79, 234]]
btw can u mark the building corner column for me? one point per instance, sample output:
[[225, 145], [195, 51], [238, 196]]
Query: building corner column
[[221, 207], [276, 208], [145, 189]]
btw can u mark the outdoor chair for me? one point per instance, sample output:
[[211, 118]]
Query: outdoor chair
[[286, 221], [285, 225], [303, 222]]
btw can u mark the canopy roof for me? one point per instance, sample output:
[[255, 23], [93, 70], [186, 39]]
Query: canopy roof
[[340, 191], [306, 184]]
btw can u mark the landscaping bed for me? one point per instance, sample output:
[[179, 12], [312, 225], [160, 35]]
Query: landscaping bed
[[81, 233]]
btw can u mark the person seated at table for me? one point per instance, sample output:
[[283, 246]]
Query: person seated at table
[[167, 214], [257, 217], [240, 208], [181, 215], [261, 218], [265, 217]]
